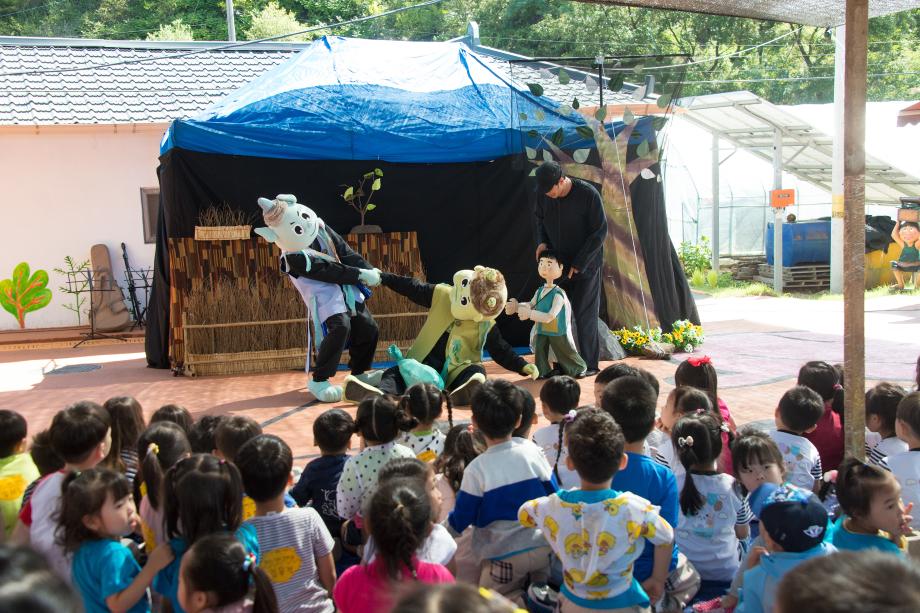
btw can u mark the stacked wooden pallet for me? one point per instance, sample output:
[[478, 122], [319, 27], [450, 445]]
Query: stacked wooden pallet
[[807, 277]]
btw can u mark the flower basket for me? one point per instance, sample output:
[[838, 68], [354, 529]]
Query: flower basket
[[222, 233], [684, 335]]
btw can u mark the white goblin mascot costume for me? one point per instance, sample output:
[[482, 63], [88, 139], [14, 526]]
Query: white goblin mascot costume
[[326, 272], [460, 323]]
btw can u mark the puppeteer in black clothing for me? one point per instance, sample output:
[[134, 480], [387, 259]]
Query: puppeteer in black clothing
[[570, 220]]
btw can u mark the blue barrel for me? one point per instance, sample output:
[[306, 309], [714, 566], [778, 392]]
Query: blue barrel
[[804, 242]]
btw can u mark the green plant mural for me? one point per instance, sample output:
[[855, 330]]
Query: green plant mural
[[77, 284], [24, 293]]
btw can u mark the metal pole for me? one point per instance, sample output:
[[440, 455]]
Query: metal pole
[[854, 225], [777, 213], [837, 167], [231, 22], [715, 202]]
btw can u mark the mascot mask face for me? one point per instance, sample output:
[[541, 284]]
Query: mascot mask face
[[292, 226], [478, 295]]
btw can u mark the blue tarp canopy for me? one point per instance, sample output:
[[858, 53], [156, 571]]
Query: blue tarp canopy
[[353, 99]]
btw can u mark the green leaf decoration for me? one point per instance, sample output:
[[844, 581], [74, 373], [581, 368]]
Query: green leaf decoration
[[522, 116], [533, 173], [659, 122], [575, 103], [600, 113], [540, 115], [535, 88], [642, 149], [628, 117], [375, 185], [663, 101], [531, 153], [557, 137], [585, 131], [371, 207], [24, 293], [581, 155], [547, 156], [369, 175], [349, 194], [378, 172], [615, 82], [564, 77]]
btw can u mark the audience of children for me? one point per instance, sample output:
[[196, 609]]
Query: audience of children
[[827, 435], [581, 504], [425, 402], [881, 422], [27, 583], [798, 413], [558, 400], [596, 531]]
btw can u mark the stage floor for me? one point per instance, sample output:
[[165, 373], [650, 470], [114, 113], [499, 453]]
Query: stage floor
[[757, 345]]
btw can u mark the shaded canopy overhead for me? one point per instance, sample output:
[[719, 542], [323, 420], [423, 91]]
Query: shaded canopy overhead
[[353, 99], [822, 13]]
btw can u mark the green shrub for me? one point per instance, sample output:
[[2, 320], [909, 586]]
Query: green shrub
[[698, 278], [712, 278], [695, 256]]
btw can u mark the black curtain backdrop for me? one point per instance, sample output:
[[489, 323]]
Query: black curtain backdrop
[[464, 214]]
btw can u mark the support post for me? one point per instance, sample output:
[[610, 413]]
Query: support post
[[715, 202], [231, 22], [777, 213], [837, 165], [854, 204]]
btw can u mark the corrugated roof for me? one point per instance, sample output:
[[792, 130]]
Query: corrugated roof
[[749, 122]]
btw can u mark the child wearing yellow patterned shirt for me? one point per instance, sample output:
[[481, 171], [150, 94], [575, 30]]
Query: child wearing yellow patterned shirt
[[598, 532]]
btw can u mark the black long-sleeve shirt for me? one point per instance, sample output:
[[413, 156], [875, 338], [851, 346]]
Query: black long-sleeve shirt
[[343, 272], [574, 226], [422, 294]]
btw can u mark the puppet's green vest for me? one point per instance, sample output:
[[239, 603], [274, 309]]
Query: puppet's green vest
[[465, 339]]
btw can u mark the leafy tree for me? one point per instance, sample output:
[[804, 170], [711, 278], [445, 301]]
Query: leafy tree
[[177, 30], [273, 20]]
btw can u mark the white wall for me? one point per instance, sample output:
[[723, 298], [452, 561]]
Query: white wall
[[64, 189]]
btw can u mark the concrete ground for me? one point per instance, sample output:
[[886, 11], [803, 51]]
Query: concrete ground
[[756, 343]]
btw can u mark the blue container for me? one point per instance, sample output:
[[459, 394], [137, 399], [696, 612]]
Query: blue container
[[804, 242]]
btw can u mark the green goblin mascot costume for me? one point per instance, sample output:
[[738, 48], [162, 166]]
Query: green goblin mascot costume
[[460, 324], [330, 277]]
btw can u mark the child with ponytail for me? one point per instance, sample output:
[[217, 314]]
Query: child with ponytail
[[558, 399], [159, 447], [713, 514], [399, 518], [96, 511], [827, 435], [692, 401], [424, 402], [699, 372], [218, 575]]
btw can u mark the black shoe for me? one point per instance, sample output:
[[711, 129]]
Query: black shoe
[[591, 372], [552, 373]]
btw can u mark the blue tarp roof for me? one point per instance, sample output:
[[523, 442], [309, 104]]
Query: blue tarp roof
[[353, 99]]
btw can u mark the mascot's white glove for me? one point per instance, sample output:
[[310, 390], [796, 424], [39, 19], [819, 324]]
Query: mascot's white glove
[[531, 371], [523, 311], [511, 306], [370, 278]]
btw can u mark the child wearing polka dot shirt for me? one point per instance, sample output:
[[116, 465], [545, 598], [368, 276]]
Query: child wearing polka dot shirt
[[424, 402]]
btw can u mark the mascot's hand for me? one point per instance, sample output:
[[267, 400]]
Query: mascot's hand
[[531, 371], [523, 311], [370, 278], [511, 306]]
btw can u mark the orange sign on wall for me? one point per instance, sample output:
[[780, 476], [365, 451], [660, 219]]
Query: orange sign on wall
[[781, 198]]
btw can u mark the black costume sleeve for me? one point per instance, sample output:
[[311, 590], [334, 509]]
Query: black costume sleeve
[[597, 224], [295, 264], [503, 353], [419, 292], [539, 212], [347, 255]]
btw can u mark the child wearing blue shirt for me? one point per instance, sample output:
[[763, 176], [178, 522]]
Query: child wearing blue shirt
[[631, 401]]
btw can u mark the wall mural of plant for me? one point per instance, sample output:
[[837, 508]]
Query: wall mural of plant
[[77, 284], [24, 292]]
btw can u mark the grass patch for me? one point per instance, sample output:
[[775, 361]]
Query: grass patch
[[736, 289]]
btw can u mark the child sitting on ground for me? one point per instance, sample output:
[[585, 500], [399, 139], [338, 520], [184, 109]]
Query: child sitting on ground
[[17, 470], [201, 434], [219, 575], [793, 523], [160, 446], [558, 397], [232, 433], [176, 414], [798, 412], [906, 465], [296, 545], [714, 517], [80, 434], [528, 416], [97, 510], [332, 432], [881, 421], [45, 459], [424, 402], [631, 402], [494, 486], [690, 401], [700, 373], [873, 515], [399, 519], [127, 419], [598, 532], [827, 435]]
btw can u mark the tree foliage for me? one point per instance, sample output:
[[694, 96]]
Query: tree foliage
[[796, 69]]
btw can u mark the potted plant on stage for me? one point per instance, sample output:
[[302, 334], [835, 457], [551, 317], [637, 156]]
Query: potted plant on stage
[[360, 200], [221, 223]]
